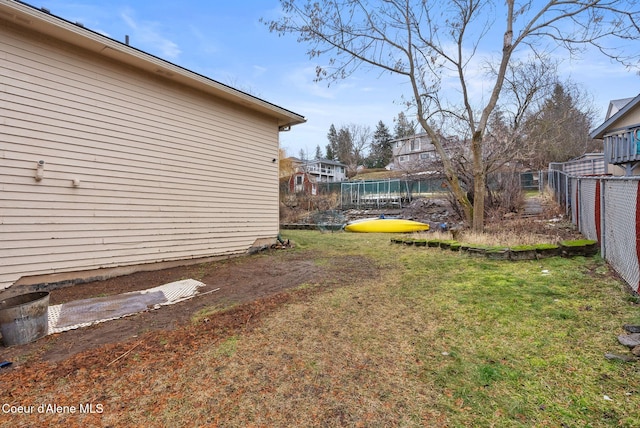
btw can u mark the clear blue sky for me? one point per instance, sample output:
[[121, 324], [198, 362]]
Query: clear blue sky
[[225, 41]]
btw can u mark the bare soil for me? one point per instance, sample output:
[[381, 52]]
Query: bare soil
[[240, 280]]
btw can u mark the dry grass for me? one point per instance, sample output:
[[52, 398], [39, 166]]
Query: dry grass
[[552, 228], [378, 174], [433, 339], [341, 361], [505, 238]]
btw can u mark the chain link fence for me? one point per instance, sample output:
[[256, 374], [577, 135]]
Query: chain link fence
[[605, 209]]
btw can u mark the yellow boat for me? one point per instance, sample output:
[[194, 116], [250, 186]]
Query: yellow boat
[[385, 225]]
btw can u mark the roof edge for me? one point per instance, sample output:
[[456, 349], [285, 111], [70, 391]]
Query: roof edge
[[599, 132], [44, 22]]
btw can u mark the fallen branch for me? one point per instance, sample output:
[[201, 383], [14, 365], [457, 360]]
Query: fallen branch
[[125, 354]]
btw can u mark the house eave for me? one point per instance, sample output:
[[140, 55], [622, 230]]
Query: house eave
[[602, 130], [45, 23]]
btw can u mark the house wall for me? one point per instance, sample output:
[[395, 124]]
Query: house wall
[[415, 152], [162, 172], [629, 120], [301, 182], [327, 173]]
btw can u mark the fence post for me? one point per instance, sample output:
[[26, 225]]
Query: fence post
[[603, 235], [570, 202]]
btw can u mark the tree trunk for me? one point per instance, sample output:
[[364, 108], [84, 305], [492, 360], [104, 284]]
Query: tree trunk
[[479, 178], [450, 173], [459, 193]]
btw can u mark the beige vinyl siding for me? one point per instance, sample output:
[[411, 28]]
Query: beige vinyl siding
[[166, 172], [632, 118]]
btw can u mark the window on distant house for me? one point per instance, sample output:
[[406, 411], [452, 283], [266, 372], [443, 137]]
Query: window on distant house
[[415, 144], [402, 158], [299, 180], [428, 155]]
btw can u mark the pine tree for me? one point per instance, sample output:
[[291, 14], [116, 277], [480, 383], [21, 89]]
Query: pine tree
[[332, 147], [345, 145], [404, 127], [381, 148], [330, 154]]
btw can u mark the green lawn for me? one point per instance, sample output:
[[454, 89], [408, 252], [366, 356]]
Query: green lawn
[[488, 343], [390, 336]]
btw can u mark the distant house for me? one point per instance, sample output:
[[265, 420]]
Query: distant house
[[303, 182], [114, 160], [413, 153], [620, 133], [322, 170]]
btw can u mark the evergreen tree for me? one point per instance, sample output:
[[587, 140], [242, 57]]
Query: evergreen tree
[[345, 145], [330, 154], [318, 152], [381, 147], [404, 127], [559, 131], [332, 147]]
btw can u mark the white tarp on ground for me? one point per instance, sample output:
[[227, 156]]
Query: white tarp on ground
[[83, 313]]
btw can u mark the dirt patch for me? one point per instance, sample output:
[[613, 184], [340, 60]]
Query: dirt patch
[[239, 280]]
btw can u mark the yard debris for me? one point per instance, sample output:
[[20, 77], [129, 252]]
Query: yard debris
[[631, 328], [209, 292], [629, 340], [257, 249], [280, 244], [85, 312], [618, 357], [125, 354]]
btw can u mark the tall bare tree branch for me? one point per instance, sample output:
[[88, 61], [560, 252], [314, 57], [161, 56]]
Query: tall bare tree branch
[[430, 43]]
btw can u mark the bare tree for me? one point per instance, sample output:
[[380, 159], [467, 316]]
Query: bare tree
[[431, 43], [558, 130], [361, 140], [349, 145], [287, 168], [526, 85]]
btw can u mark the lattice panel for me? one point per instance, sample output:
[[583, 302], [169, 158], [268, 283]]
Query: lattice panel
[[619, 233]]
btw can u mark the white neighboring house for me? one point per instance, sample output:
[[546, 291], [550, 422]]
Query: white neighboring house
[[322, 170], [113, 160]]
